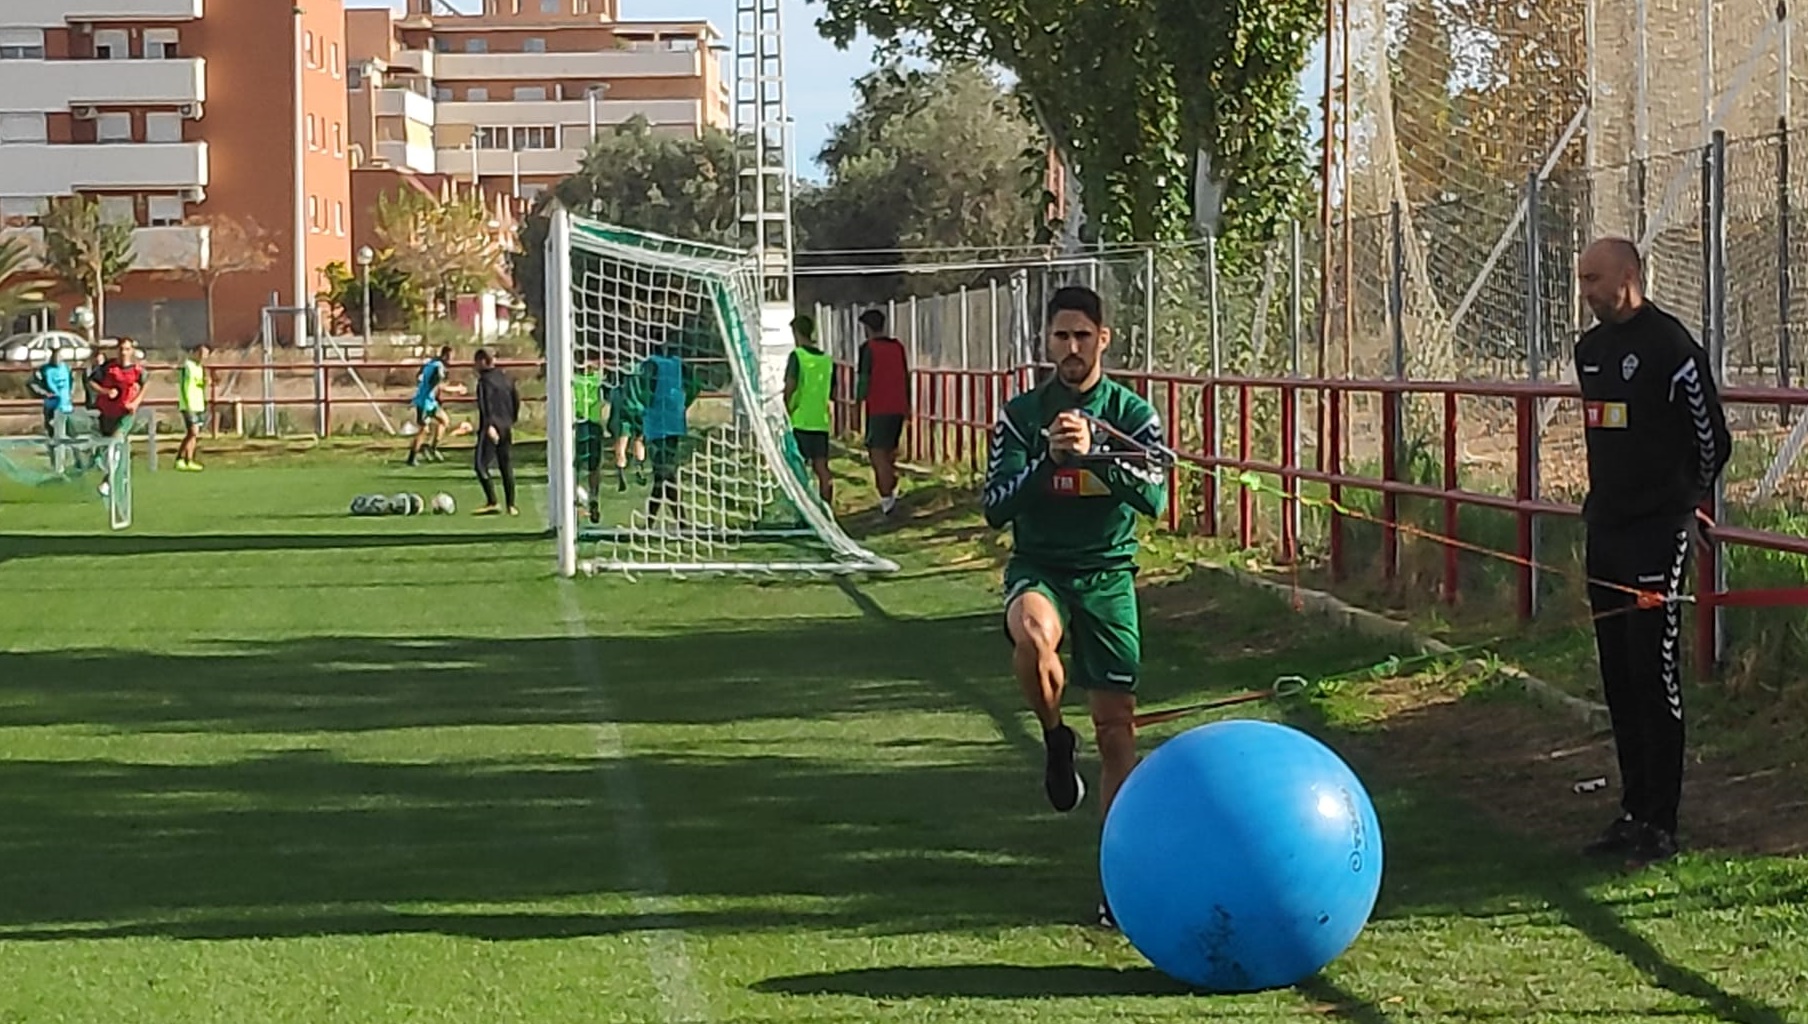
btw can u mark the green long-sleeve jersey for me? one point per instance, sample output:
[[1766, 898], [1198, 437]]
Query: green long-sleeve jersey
[[1077, 518]]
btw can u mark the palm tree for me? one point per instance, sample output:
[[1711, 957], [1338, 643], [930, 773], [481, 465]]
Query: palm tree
[[23, 279]]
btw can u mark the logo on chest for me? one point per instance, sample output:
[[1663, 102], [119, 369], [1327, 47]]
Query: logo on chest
[[1604, 415], [1629, 366], [1077, 483]]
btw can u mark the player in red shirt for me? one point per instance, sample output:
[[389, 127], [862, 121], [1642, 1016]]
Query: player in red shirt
[[119, 388], [884, 385]]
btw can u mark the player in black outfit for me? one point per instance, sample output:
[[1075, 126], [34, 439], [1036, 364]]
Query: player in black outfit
[[498, 406], [1657, 440]]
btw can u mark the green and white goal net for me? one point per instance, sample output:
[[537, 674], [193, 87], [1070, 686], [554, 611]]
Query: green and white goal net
[[665, 334], [72, 466]]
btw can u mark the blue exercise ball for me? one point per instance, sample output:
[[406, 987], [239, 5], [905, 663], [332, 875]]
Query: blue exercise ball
[[1241, 856]]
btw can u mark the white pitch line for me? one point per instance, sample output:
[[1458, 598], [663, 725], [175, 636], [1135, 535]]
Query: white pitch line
[[681, 998]]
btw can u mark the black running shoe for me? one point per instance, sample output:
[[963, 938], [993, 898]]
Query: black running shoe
[[1060, 779], [1653, 845], [596, 513], [1617, 840]]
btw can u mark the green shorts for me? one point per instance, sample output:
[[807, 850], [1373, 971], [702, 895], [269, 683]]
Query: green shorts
[[624, 422], [589, 445], [113, 426], [1098, 620]]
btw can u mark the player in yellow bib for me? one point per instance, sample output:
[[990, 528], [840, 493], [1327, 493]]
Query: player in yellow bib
[[587, 409], [191, 399], [809, 379]]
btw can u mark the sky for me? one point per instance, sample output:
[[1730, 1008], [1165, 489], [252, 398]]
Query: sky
[[820, 78]]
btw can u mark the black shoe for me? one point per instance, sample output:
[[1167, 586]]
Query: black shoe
[[1060, 779], [1618, 840], [1106, 920], [1653, 845], [596, 513]]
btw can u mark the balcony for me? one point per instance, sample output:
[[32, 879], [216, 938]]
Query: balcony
[[497, 113], [418, 61], [405, 103], [184, 247], [59, 85], [409, 156], [57, 13], [592, 65], [499, 163], [53, 170]]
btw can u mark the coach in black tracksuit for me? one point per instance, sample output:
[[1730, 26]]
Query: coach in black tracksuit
[[1657, 440], [498, 406]]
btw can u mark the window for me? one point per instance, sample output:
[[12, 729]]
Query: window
[[477, 94], [339, 218], [477, 44], [21, 44], [530, 192], [113, 128], [111, 44], [20, 210], [166, 211], [332, 62], [533, 44], [118, 210], [307, 47], [163, 127], [529, 93], [314, 213], [442, 93], [537, 137], [354, 77], [549, 6], [160, 43], [492, 138], [686, 44], [313, 134], [23, 128], [338, 139]]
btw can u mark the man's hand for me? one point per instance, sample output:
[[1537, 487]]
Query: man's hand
[[493, 435], [112, 392], [1069, 436]]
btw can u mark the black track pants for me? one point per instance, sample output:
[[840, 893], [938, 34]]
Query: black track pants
[[1640, 655], [502, 453]]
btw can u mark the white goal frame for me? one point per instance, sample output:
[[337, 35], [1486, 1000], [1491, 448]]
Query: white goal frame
[[759, 416]]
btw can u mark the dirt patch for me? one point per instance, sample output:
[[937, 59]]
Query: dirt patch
[[1520, 766]]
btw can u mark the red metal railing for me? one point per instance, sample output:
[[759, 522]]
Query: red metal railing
[[322, 391], [954, 410]]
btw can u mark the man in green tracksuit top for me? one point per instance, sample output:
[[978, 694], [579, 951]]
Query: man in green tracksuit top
[[1072, 570]]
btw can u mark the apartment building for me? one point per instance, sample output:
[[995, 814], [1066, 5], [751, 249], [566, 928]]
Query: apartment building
[[509, 97], [172, 114]]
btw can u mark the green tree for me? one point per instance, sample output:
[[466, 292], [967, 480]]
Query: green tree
[[396, 299], [682, 186], [444, 244], [1133, 91], [23, 280], [86, 251], [927, 159]]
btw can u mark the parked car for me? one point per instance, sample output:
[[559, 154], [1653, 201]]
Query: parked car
[[34, 349]]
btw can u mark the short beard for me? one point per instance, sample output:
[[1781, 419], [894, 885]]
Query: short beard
[[1085, 371]]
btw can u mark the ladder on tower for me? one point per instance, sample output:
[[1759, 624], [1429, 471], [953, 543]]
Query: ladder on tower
[[763, 128]]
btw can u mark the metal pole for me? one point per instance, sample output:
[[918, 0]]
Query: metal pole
[[1717, 353], [1294, 332], [1784, 290], [1641, 112], [1396, 291], [1149, 312], [1211, 272], [1534, 319], [366, 270]]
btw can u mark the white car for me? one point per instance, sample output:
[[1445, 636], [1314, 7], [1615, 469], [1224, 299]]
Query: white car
[[35, 349]]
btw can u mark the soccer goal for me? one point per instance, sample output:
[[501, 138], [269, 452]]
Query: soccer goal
[[654, 341], [72, 466]]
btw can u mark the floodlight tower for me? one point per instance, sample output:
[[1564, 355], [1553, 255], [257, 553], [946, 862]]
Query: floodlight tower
[[762, 128]]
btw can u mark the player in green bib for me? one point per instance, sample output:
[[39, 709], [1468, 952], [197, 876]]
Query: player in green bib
[[191, 401], [587, 410], [809, 377], [1072, 571]]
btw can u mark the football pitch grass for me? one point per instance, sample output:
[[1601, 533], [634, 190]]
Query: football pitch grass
[[263, 761]]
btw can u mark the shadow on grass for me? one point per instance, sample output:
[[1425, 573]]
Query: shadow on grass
[[978, 981], [868, 803], [18, 546]]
